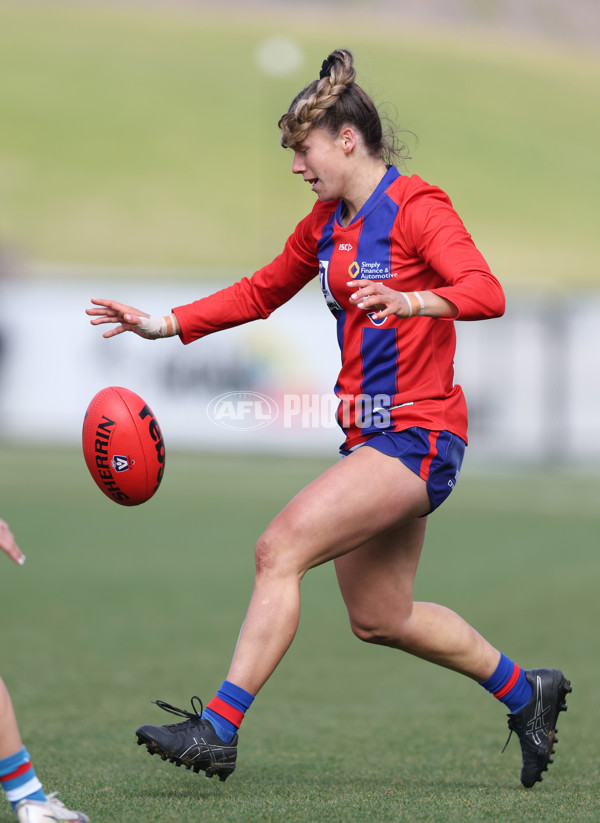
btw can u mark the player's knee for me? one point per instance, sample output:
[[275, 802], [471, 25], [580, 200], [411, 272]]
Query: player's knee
[[370, 632], [263, 554], [271, 555], [381, 632], [285, 549]]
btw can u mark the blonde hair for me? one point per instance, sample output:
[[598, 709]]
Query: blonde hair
[[333, 101]]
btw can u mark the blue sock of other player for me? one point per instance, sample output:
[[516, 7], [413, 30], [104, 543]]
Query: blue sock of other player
[[509, 685], [18, 778], [227, 709]]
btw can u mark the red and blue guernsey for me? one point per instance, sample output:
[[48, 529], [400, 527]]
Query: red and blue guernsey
[[408, 236]]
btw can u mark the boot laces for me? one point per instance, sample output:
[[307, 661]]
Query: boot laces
[[511, 726], [194, 715], [507, 741]]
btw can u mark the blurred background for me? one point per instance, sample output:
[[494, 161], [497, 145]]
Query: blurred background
[[139, 160]]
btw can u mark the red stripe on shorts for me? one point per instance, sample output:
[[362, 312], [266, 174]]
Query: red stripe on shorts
[[426, 462], [509, 683], [225, 710]]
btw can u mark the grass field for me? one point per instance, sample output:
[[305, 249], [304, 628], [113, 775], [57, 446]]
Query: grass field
[[139, 133], [116, 607]]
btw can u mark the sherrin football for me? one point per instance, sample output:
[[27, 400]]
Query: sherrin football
[[123, 446]]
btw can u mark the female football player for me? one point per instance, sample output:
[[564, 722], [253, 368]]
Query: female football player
[[396, 267], [18, 779]]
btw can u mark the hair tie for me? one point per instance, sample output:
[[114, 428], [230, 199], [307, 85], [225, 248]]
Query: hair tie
[[326, 69]]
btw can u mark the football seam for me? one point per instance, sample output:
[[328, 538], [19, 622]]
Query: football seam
[[134, 420]]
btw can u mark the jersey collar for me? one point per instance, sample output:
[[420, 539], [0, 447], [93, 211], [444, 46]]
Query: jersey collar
[[386, 181]]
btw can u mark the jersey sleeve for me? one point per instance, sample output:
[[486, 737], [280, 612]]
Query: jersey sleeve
[[434, 230], [256, 297]]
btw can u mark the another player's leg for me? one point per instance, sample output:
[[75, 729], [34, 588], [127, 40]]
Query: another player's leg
[[376, 583], [17, 776]]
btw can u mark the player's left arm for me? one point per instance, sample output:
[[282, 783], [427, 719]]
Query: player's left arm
[[435, 232], [376, 297]]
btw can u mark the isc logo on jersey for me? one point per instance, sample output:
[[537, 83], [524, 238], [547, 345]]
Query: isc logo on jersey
[[345, 247]]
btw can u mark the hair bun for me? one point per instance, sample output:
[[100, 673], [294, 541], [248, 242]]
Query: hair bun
[[326, 69]]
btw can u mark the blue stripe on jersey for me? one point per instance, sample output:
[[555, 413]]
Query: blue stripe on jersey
[[325, 243], [379, 351], [341, 323], [374, 246]]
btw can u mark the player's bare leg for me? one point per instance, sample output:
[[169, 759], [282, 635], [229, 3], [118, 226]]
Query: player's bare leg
[[332, 518], [10, 739], [376, 582]]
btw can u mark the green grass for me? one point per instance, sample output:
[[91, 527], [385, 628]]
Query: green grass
[[116, 607], [141, 134]]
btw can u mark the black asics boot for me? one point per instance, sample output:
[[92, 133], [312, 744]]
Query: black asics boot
[[193, 743], [536, 723]]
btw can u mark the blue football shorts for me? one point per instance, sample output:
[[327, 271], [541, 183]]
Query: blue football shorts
[[435, 456]]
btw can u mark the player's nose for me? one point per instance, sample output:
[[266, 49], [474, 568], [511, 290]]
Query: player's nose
[[298, 164]]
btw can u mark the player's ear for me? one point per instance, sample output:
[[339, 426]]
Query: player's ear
[[348, 139]]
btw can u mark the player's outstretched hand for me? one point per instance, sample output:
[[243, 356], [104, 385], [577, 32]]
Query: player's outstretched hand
[[130, 319], [109, 311], [8, 544]]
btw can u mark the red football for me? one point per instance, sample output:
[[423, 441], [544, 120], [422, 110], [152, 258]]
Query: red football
[[123, 446]]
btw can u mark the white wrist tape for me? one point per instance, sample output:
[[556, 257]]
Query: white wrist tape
[[407, 298], [155, 327]]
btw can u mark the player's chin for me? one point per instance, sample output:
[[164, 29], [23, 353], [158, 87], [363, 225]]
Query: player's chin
[[323, 195]]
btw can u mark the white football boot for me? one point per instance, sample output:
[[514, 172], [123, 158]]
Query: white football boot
[[43, 811]]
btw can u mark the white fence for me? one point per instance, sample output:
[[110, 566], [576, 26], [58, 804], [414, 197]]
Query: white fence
[[532, 378]]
